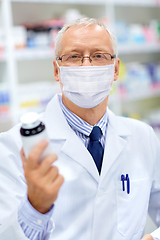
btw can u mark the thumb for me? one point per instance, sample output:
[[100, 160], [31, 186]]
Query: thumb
[[24, 160], [147, 237]]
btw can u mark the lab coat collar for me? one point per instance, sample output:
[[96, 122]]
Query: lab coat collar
[[56, 123], [117, 124], [58, 129], [55, 115]]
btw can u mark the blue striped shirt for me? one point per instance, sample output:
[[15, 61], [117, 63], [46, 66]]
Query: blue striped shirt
[[37, 226], [81, 127]]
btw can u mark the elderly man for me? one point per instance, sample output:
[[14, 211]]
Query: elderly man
[[103, 176]]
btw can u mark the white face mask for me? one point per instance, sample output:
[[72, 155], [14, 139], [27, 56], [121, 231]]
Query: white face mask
[[87, 86]]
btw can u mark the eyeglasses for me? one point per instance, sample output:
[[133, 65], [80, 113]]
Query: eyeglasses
[[97, 59]]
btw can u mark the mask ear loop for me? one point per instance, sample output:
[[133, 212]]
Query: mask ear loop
[[114, 61], [58, 65], [59, 74], [114, 71]]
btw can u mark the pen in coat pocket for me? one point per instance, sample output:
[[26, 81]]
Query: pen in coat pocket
[[123, 179]]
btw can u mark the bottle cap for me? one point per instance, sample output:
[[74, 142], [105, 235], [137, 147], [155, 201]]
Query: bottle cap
[[30, 120]]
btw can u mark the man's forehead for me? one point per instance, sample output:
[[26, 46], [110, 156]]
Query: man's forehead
[[92, 35], [85, 29]]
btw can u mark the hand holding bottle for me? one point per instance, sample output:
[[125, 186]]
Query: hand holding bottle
[[43, 179]]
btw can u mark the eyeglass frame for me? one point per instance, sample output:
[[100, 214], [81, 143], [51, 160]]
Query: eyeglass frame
[[60, 58]]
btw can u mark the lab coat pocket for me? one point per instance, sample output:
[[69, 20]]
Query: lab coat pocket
[[132, 208]]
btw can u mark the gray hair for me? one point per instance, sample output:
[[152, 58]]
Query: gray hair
[[83, 22]]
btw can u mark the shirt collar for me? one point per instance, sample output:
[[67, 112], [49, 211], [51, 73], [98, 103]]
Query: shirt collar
[[79, 124]]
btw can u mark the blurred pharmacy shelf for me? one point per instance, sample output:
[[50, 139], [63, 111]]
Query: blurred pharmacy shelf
[[148, 3], [27, 53], [139, 48], [2, 56], [35, 53], [30, 28], [46, 52], [152, 92], [30, 97], [35, 96], [92, 2]]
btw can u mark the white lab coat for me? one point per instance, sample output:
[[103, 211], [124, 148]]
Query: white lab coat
[[89, 206]]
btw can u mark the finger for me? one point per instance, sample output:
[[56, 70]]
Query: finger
[[35, 154], [51, 175], [57, 183], [45, 165], [147, 237], [23, 157]]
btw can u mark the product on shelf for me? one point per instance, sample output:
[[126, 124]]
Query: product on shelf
[[138, 80], [137, 33], [5, 114], [19, 35], [2, 41], [72, 14], [43, 34], [35, 96]]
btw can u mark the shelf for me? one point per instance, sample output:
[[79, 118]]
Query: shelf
[[143, 3], [142, 95], [34, 53], [78, 2], [45, 53], [128, 48]]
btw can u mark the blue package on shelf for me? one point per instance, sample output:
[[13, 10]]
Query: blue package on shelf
[[4, 98]]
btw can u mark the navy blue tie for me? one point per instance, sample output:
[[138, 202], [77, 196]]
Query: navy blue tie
[[95, 148]]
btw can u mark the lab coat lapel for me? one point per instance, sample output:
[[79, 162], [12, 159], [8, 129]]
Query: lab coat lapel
[[58, 130], [74, 148], [116, 140]]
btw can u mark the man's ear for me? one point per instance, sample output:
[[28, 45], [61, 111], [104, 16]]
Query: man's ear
[[56, 71], [116, 70]]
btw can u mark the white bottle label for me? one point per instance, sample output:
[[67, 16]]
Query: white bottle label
[[30, 141]]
